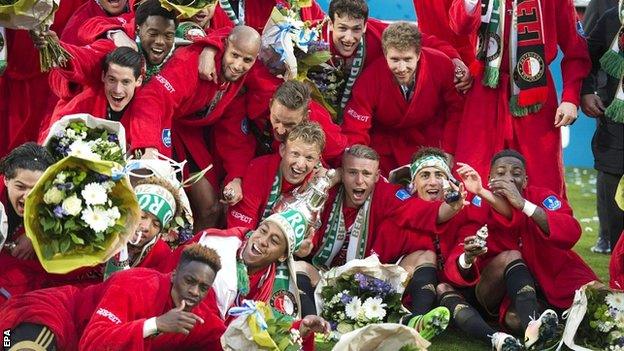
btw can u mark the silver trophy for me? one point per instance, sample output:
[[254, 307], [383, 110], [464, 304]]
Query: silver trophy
[[309, 199], [482, 235]]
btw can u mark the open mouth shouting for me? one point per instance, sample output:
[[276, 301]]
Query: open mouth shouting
[[156, 56]]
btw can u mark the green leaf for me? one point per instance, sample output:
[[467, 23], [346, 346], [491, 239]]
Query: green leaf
[[65, 245], [54, 246], [47, 251], [77, 240]]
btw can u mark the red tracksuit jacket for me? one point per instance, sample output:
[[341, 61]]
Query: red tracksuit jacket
[[379, 116], [398, 224], [487, 125]]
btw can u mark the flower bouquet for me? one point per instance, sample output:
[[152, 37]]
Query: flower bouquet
[[186, 8], [596, 319], [290, 46], [256, 328], [327, 85], [360, 293], [35, 15], [88, 137], [79, 215]]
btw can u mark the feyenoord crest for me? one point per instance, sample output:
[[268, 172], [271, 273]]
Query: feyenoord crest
[[620, 40], [493, 49], [285, 303], [530, 67]]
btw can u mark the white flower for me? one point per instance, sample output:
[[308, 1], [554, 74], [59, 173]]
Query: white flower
[[94, 194], [60, 178], [83, 150], [615, 300], [71, 133], [108, 185], [374, 308], [353, 308], [96, 218], [53, 196], [113, 215], [72, 205]]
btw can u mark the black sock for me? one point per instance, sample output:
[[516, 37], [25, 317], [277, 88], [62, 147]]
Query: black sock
[[521, 290], [422, 289], [306, 294], [466, 317]]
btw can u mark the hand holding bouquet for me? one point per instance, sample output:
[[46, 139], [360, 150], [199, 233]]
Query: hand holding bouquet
[[290, 46], [79, 215], [36, 16], [85, 136]]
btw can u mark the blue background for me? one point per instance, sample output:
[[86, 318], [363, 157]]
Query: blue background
[[577, 153]]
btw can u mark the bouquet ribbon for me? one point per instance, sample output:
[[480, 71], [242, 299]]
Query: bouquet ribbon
[[250, 308]]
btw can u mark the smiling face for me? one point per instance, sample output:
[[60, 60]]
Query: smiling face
[[266, 245], [237, 61], [346, 33], [149, 227], [191, 282], [402, 64], [19, 187], [203, 17], [284, 119], [428, 184], [359, 176], [113, 7], [512, 169], [119, 86], [298, 160], [157, 35]]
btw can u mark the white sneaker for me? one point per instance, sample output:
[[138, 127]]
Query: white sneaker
[[505, 342], [542, 331]]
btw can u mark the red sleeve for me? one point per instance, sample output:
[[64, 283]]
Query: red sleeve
[[154, 106], [358, 114], [417, 214], [576, 64], [112, 325], [454, 105], [452, 270], [460, 21], [235, 143], [335, 141], [85, 68], [565, 230], [96, 27], [312, 13], [246, 213], [262, 85], [433, 42], [616, 265]]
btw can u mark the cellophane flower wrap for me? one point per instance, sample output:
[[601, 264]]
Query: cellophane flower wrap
[[257, 328], [36, 15], [596, 319], [291, 46], [186, 8], [80, 213], [381, 337], [360, 293], [88, 137]]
